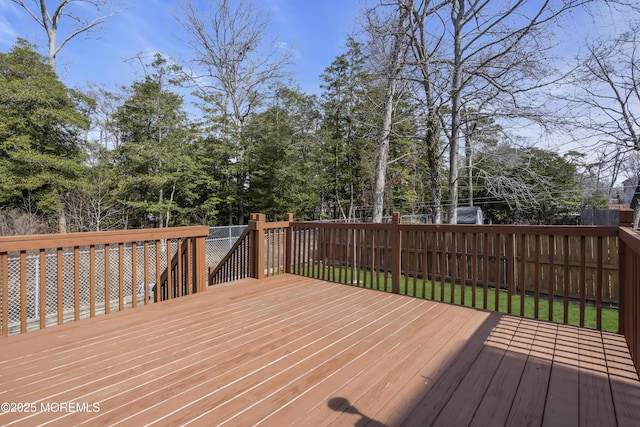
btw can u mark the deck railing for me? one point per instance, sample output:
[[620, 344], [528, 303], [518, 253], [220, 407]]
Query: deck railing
[[177, 280], [583, 275], [261, 251], [235, 264], [502, 268], [52, 279], [630, 291]]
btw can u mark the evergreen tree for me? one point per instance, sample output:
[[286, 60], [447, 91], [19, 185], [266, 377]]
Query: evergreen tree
[[283, 144], [348, 159], [155, 159], [41, 154]]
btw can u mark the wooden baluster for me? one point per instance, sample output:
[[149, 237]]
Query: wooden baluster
[[599, 272], [463, 268], [120, 276], [107, 278], [76, 283], [134, 274], [485, 270], [523, 263], [43, 289], [146, 272], [583, 278], [23, 291], [552, 274], [4, 303], [92, 281]]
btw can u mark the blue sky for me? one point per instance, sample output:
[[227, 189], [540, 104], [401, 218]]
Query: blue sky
[[315, 30]]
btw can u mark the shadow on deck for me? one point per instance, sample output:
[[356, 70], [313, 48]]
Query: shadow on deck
[[289, 350]]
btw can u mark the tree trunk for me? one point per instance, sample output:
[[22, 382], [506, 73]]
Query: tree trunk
[[168, 216], [62, 222], [393, 69], [457, 16], [433, 165], [383, 153], [468, 149], [423, 55], [52, 33]]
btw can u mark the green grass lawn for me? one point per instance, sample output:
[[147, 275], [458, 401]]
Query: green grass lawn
[[375, 280]]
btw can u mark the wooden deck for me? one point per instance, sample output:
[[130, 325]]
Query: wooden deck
[[288, 350]]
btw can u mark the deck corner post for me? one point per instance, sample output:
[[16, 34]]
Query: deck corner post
[[622, 282], [288, 244], [396, 253], [256, 222], [625, 218]]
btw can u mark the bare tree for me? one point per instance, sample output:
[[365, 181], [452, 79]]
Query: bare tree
[[605, 166], [424, 49], [609, 85], [100, 109], [50, 20], [236, 64], [393, 65], [497, 57], [608, 82], [93, 207], [230, 47], [473, 55], [17, 222], [501, 62], [494, 57]]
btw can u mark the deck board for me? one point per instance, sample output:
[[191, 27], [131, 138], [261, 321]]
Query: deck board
[[597, 405], [528, 403], [288, 350], [498, 398]]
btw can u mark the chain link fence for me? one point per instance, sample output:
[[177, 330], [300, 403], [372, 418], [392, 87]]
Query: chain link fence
[[107, 278], [220, 240]]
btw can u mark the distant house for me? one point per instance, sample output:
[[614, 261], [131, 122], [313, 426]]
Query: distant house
[[628, 189], [470, 215]]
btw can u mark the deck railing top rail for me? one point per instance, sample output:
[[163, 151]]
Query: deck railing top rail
[[52, 241], [558, 230]]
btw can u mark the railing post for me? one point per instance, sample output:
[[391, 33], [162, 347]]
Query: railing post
[[288, 244], [622, 280], [257, 221], [625, 218], [396, 253], [199, 268]]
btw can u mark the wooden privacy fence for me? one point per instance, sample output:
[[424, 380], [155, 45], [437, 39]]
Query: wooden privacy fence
[[52, 279]]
